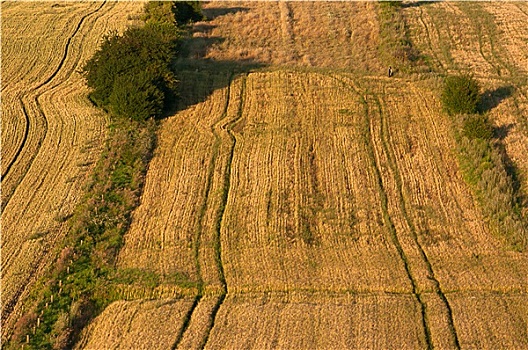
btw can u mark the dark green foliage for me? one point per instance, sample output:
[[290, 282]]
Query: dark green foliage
[[136, 97], [173, 12], [477, 126], [187, 11], [131, 74], [460, 95], [159, 11]]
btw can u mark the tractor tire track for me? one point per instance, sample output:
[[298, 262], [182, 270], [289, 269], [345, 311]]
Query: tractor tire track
[[374, 157], [200, 229], [226, 128], [377, 138], [376, 162], [39, 114], [389, 151]]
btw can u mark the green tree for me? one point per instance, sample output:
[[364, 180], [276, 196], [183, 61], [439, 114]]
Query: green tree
[[460, 95], [135, 68], [136, 97]]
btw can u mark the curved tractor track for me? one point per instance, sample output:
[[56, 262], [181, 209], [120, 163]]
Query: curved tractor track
[[51, 135], [36, 92]]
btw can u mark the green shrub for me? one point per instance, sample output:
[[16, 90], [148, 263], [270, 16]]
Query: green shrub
[[173, 12], [136, 97], [187, 11], [477, 127], [460, 95], [131, 75]]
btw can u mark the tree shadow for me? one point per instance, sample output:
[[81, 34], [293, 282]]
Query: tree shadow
[[203, 28], [513, 172], [492, 98], [198, 77], [502, 131], [213, 13]]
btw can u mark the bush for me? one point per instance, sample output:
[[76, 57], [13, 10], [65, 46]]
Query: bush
[[136, 97], [173, 12], [477, 127], [131, 75], [460, 95]]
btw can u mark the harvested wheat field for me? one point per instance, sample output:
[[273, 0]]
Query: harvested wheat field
[[298, 198], [147, 324], [494, 47], [51, 134], [305, 237]]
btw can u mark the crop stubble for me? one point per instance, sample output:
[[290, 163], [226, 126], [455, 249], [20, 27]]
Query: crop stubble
[[137, 324], [331, 207], [50, 132]]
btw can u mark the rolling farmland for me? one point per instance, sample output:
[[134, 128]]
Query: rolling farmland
[[298, 198], [51, 134]]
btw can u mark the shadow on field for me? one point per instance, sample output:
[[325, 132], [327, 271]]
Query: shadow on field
[[492, 98], [199, 76], [502, 131], [418, 3], [217, 12]]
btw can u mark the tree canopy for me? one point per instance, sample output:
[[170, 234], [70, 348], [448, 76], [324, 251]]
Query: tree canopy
[[131, 74]]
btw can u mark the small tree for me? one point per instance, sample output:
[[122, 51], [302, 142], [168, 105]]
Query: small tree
[[460, 95], [135, 96]]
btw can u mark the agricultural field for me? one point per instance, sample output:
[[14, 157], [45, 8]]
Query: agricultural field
[[298, 197], [51, 134]]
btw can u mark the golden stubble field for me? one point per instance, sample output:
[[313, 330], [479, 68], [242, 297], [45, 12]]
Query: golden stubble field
[[320, 209], [51, 134], [316, 203], [493, 46]]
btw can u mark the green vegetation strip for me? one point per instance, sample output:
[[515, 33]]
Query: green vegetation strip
[[484, 162], [395, 46]]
